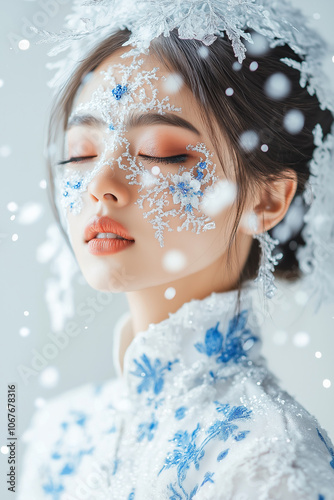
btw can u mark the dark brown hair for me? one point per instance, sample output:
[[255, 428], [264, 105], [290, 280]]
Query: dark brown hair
[[249, 108]]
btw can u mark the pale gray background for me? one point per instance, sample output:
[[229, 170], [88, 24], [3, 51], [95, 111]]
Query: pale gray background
[[24, 103]]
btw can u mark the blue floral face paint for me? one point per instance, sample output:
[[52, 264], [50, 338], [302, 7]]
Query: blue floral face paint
[[128, 91]]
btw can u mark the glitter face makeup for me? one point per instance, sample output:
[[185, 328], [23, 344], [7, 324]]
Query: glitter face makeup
[[126, 98]]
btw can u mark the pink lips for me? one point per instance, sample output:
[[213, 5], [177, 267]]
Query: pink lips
[[105, 246]]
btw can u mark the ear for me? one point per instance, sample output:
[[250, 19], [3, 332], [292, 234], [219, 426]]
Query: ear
[[269, 206]]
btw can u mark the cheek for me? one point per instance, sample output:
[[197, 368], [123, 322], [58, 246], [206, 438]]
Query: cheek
[[172, 201]]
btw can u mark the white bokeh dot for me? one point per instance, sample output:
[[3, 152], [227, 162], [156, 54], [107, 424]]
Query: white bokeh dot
[[5, 151], [229, 91], [236, 66], [249, 140], [259, 47], [12, 217], [30, 212], [170, 293], [294, 121], [1, 83], [316, 16], [26, 313], [277, 86], [318, 354], [4, 449], [203, 52], [174, 261], [15, 237], [301, 297], [12, 206], [39, 402], [301, 339], [219, 198], [43, 184], [49, 377], [264, 148], [326, 383], [24, 44], [24, 331], [253, 66], [173, 83], [155, 170]]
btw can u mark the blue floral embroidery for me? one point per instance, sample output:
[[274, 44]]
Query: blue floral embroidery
[[68, 461], [132, 495], [232, 347], [52, 489], [180, 413], [208, 477], [330, 450], [146, 429], [152, 374], [222, 455], [187, 451]]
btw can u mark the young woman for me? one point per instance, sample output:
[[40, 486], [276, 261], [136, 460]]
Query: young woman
[[177, 163]]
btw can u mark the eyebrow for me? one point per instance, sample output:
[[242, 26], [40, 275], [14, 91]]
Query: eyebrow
[[135, 120]]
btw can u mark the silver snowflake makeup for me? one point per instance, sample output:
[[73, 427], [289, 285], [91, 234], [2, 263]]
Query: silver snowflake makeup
[[116, 105]]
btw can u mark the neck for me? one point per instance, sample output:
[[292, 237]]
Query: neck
[[150, 305]]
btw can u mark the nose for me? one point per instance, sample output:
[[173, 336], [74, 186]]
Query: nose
[[109, 186]]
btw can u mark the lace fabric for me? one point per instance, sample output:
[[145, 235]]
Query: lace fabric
[[195, 414]]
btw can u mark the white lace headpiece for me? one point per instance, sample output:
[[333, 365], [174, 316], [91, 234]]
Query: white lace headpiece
[[94, 20]]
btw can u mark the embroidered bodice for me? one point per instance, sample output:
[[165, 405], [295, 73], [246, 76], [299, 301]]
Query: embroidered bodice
[[195, 414]]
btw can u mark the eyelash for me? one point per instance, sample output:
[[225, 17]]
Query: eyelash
[[157, 159], [166, 159], [76, 159]]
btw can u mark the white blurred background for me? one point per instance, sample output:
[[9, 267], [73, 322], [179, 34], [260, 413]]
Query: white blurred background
[[299, 345]]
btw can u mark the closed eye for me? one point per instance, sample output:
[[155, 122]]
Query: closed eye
[[76, 159], [166, 159]]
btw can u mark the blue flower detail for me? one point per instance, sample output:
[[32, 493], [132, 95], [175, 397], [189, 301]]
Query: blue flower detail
[[132, 495], [232, 347], [146, 429], [241, 435], [199, 175], [68, 469], [65, 462], [118, 91], [330, 450], [188, 208], [212, 343], [65, 193], [208, 477], [180, 413], [111, 127], [187, 451], [152, 374], [222, 455], [53, 489], [202, 165]]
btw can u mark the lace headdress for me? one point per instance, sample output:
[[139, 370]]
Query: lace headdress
[[92, 21]]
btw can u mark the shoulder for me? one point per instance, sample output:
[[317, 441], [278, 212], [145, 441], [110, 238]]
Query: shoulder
[[76, 403], [61, 432], [267, 445]]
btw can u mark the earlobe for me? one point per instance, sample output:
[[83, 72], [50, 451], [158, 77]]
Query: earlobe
[[270, 207]]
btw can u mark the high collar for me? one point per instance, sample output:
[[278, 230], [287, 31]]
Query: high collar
[[204, 340]]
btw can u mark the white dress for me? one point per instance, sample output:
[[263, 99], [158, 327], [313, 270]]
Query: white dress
[[195, 415]]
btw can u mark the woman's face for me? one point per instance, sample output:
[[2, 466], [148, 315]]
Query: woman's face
[[178, 213]]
